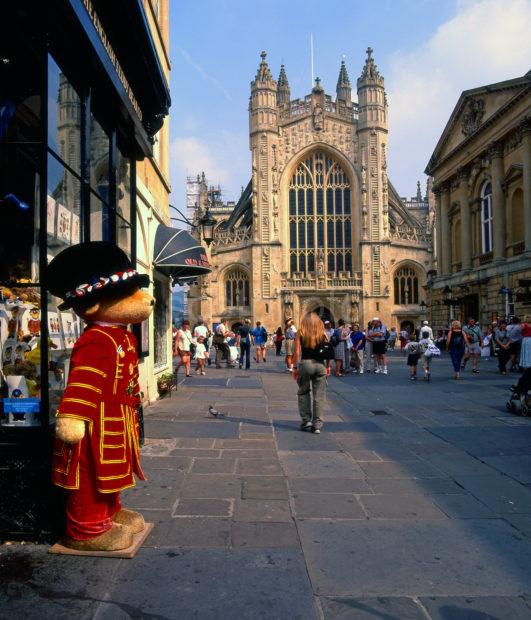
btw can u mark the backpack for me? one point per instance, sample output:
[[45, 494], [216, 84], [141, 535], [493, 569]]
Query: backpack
[[457, 341]]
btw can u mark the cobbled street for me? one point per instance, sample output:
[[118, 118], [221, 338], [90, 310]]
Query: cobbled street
[[414, 503]]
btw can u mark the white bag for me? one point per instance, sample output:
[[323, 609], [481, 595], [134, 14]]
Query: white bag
[[432, 351]]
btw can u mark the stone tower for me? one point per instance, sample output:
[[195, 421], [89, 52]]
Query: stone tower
[[263, 132], [372, 133]]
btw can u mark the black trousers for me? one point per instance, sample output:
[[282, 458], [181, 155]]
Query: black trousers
[[503, 358]]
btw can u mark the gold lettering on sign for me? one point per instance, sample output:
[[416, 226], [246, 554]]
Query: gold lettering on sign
[[112, 55]]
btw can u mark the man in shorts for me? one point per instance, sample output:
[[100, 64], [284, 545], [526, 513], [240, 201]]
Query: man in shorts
[[376, 335], [473, 347]]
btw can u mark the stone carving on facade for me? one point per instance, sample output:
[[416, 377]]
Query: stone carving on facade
[[318, 118], [472, 116], [321, 263], [384, 157]]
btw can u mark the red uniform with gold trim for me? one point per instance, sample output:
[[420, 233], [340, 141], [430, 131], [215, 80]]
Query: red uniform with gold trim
[[103, 391]]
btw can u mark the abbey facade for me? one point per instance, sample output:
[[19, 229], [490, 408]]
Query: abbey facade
[[319, 226]]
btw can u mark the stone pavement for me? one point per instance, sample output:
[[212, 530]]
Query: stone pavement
[[414, 503]]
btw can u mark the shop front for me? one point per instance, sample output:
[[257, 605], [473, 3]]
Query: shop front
[[81, 96]]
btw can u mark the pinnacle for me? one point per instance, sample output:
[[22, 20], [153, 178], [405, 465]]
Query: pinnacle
[[282, 77], [263, 74], [343, 79]]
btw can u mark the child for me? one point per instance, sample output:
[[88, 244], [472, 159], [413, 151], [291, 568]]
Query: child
[[424, 342], [413, 351], [201, 354]]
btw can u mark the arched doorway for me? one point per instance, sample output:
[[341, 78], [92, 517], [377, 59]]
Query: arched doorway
[[324, 313], [235, 326], [408, 326]]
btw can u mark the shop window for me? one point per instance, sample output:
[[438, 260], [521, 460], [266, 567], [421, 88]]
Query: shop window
[[486, 218], [123, 202], [517, 216], [161, 321], [406, 286], [99, 159], [236, 289]]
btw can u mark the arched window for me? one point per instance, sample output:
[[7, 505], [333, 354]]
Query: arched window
[[406, 284], [236, 289], [486, 218], [320, 227]]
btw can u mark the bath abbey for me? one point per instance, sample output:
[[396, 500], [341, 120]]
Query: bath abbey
[[319, 225]]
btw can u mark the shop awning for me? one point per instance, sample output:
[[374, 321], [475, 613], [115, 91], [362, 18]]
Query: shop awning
[[178, 255]]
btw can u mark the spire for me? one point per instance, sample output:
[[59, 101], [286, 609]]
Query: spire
[[263, 74], [283, 91], [419, 192], [370, 70], [343, 88]]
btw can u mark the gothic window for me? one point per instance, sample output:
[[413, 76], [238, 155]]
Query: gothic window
[[320, 216], [236, 289], [406, 284], [486, 218]]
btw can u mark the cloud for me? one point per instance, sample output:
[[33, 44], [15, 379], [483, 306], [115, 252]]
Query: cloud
[[203, 72], [487, 41], [221, 157]]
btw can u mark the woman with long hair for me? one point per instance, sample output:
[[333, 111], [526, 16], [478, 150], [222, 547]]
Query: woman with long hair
[[310, 370], [456, 342]]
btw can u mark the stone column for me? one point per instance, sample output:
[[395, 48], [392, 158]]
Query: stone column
[[498, 202], [438, 232], [526, 161], [445, 230], [466, 228]]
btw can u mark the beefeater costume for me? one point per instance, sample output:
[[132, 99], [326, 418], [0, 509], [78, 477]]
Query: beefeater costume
[[102, 391]]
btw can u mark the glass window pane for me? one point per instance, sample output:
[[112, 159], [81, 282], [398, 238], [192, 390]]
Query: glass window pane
[[293, 262], [292, 207], [293, 234], [329, 202], [311, 263], [339, 234], [339, 202], [19, 220], [319, 201], [346, 201], [99, 219], [320, 234], [161, 321], [309, 233], [123, 235], [331, 263], [340, 262], [330, 233], [99, 159], [302, 236], [64, 117], [300, 202], [309, 202], [348, 263], [348, 233], [63, 208], [123, 186]]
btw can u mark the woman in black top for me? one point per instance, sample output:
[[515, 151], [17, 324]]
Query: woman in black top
[[310, 371]]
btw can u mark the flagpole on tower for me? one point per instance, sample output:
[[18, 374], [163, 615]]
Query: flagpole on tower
[[311, 55]]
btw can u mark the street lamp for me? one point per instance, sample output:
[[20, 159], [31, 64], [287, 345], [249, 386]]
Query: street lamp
[[423, 307], [206, 223]]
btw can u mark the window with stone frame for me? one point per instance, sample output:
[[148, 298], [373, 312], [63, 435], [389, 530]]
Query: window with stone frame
[[486, 218], [319, 211], [517, 216], [406, 286], [236, 289]]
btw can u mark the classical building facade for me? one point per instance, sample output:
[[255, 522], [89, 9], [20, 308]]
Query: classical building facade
[[319, 226], [481, 169]]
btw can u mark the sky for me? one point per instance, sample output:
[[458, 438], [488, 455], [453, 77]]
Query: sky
[[428, 51]]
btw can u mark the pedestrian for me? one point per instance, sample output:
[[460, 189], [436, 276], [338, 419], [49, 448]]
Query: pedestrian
[[501, 346], [202, 330], [515, 342], [377, 336], [221, 338], [413, 355], [391, 342], [260, 341], [245, 340], [441, 340], [473, 346], [525, 349], [486, 343], [369, 357], [403, 337], [201, 354], [426, 327], [456, 342], [183, 342], [425, 343], [290, 333], [329, 330], [357, 338], [310, 371], [279, 337], [339, 340]]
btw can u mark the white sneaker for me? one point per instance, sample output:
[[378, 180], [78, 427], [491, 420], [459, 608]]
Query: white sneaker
[[361, 372], [384, 371], [377, 371]]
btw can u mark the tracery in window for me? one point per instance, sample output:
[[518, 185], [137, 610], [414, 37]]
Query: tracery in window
[[406, 285], [320, 217], [236, 289]]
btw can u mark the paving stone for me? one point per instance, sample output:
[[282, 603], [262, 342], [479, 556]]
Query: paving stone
[[210, 486], [437, 557], [265, 535], [264, 487], [209, 428], [194, 442], [517, 467], [521, 523], [259, 467], [179, 463], [203, 507], [245, 444], [459, 464], [329, 485], [361, 455], [500, 493], [149, 496], [489, 441], [329, 465], [327, 505], [402, 469], [291, 438], [477, 608], [213, 466], [196, 453], [262, 510], [400, 506], [397, 608], [463, 507], [163, 478], [249, 454], [422, 486], [204, 532]]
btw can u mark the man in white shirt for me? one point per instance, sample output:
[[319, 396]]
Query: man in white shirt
[[425, 327], [202, 330]]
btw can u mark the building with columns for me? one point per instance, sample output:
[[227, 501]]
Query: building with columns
[[481, 170], [319, 226]]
